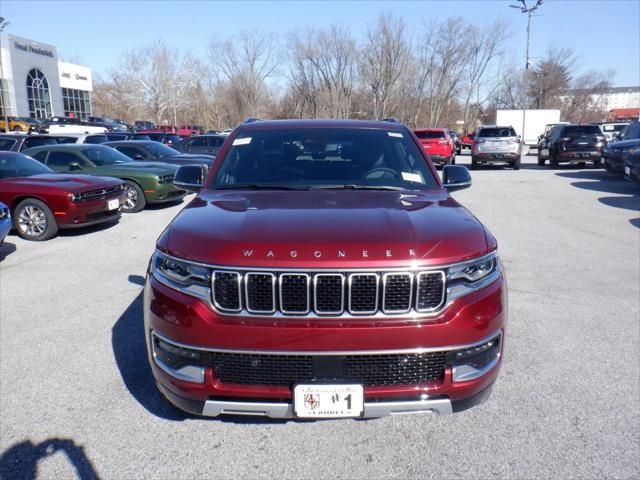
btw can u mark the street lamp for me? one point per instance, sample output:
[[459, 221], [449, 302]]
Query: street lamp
[[524, 8], [3, 23]]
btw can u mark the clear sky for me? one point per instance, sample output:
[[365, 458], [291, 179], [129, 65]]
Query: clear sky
[[605, 34]]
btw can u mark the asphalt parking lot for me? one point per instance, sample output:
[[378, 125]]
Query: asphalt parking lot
[[77, 397]]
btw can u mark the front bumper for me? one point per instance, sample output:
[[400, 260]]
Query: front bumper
[[185, 320], [84, 214], [163, 192]]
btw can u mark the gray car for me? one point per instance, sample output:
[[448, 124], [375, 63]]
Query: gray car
[[495, 144], [207, 144]]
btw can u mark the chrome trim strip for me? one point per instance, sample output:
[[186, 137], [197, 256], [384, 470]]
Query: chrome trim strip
[[213, 291], [299, 312], [384, 292], [329, 352], [444, 292], [405, 267], [439, 406], [315, 293], [463, 373], [273, 292], [365, 312]]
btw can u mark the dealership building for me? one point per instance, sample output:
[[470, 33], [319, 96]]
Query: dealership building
[[36, 83]]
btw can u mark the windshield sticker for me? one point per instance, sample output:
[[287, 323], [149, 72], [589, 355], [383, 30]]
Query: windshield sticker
[[242, 141], [412, 177], [395, 134]]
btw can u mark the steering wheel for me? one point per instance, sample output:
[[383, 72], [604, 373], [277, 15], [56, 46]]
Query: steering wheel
[[382, 169]]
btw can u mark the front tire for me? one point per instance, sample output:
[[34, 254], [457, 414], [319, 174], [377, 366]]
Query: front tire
[[597, 163], [553, 162], [17, 128], [135, 201], [540, 160], [474, 164], [34, 221]]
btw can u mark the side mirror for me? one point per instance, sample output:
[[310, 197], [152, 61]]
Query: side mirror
[[190, 177], [75, 166], [455, 177]]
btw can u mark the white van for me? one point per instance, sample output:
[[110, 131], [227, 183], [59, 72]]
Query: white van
[[608, 129]]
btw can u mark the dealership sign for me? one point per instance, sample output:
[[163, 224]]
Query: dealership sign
[[25, 47]]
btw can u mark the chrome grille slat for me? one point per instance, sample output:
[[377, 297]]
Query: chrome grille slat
[[294, 293], [328, 293]]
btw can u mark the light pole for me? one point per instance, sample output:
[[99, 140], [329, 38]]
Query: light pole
[[3, 24], [528, 10]]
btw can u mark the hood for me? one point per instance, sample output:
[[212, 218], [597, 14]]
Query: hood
[[324, 229], [68, 183], [193, 156], [155, 168], [625, 144]]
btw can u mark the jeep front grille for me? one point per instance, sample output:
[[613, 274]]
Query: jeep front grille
[[328, 293]]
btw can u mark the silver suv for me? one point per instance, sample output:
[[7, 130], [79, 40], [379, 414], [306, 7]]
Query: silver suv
[[496, 144]]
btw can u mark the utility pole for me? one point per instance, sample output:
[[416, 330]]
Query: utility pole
[[3, 83], [528, 10]]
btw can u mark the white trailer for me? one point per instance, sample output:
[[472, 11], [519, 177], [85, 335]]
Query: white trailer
[[535, 121]]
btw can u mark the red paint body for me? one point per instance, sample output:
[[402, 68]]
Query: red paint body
[[333, 230], [162, 129], [55, 190], [439, 149]]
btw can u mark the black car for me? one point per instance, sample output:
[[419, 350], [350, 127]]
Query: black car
[[207, 144], [575, 144], [17, 143], [457, 144], [627, 142], [119, 136], [632, 166], [139, 125], [148, 150], [167, 138]]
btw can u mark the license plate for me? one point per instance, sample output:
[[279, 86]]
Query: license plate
[[113, 204], [627, 171], [328, 401]]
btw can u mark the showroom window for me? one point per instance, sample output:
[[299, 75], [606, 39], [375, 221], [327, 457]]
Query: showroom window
[[77, 103], [38, 94]]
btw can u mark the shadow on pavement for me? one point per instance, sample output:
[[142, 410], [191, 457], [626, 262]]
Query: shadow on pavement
[[74, 232], [602, 181], [20, 461], [635, 222], [130, 352], [6, 249]]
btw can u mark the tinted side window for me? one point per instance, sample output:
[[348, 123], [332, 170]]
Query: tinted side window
[[198, 142], [37, 142], [62, 159], [95, 139], [7, 143], [40, 156], [130, 152]]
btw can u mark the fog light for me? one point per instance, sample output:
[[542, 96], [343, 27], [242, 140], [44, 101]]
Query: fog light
[[181, 363], [471, 363]]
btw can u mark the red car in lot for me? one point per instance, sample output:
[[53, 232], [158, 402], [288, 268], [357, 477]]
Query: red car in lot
[[161, 129], [42, 201], [323, 270], [438, 143], [190, 130]]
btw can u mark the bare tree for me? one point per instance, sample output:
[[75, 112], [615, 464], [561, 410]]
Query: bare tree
[[384, 58], [246, 62]]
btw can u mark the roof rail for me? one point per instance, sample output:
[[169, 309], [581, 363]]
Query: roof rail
[[251, 120], [391, 119]]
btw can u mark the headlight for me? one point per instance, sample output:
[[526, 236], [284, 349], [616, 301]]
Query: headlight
[[76, 197], [4, 213], [467, 277], [182, 275], [166, 178]]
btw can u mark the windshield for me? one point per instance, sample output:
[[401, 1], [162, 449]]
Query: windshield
[[105, 156], [497, 132], [324, 158], [581, 130], [19, 165], [159, 150], [429, 134]]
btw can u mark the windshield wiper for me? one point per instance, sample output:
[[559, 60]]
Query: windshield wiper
[[255, 186], [358, 187]]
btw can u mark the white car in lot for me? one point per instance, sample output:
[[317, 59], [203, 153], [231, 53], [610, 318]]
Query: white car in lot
[[64, 128], [610, 130], [496, 144]]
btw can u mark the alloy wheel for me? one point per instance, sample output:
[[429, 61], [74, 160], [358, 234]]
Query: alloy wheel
[[132, 198], [32, 221]]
